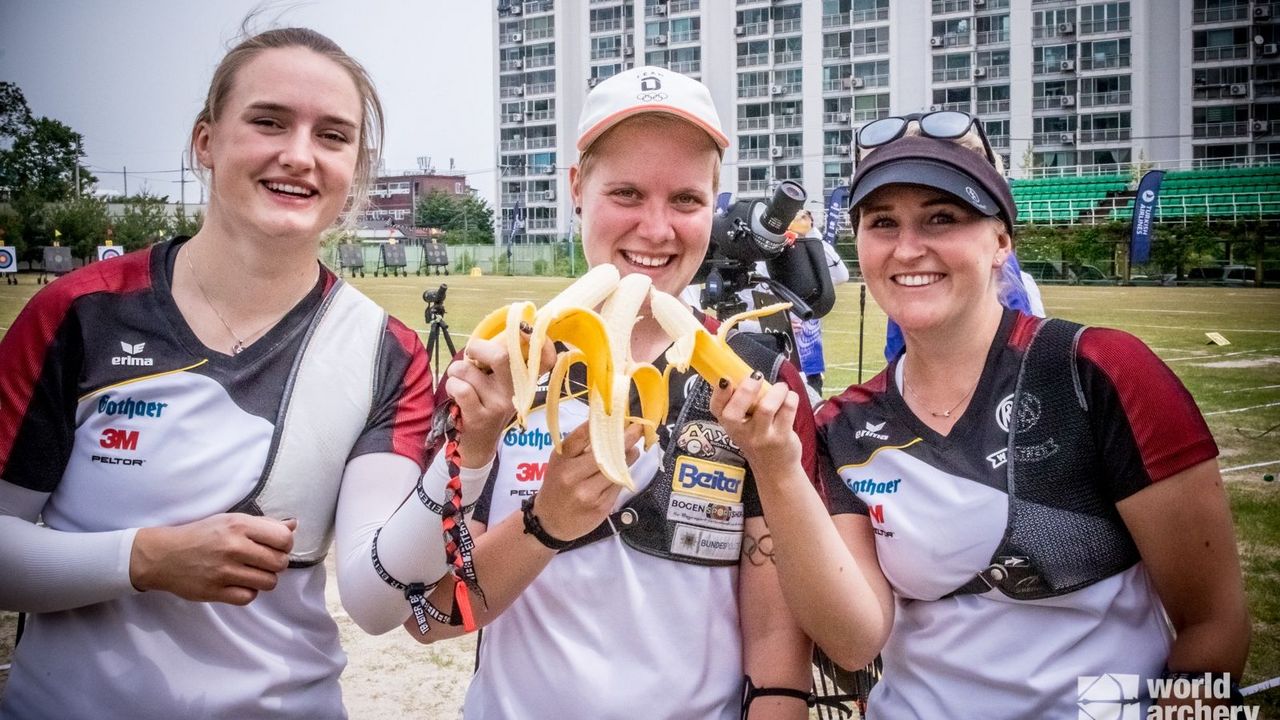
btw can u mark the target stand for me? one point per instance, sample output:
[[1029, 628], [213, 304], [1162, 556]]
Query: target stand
[[9, 264], [391, 261], [350, 260], [434, 257], [107, 252], [57, 261]]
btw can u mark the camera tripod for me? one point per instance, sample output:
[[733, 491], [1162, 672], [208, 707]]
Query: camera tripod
[[437, 329]]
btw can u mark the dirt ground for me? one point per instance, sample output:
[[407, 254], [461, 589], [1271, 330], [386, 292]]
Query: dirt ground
[[388, 676]]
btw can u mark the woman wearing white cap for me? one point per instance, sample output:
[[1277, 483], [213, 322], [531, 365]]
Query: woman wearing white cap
[[663, 618], [1018, 503]]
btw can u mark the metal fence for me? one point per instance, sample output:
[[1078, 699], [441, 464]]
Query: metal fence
[[541, 259]]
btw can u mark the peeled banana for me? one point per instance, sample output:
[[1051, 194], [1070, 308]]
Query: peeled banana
[[601, 340]]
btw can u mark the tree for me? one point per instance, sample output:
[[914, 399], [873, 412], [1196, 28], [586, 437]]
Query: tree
[[83, 223], [15, 115], [1178, 246], [145, 220], [43, 162], [466, 219], [184, 225]]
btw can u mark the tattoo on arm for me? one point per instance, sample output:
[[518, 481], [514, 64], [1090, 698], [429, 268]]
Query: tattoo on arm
[[758, 550]]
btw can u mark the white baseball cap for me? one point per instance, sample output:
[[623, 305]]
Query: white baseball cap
[[643, 90]]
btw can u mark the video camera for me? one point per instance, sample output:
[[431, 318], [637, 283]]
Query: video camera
[[749, 231], [435, 301]]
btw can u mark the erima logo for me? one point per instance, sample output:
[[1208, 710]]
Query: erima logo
[[973, 198], [872, 430], [131, 352]]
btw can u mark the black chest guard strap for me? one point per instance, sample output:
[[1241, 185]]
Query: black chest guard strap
[[642, 521], [1062, 534]]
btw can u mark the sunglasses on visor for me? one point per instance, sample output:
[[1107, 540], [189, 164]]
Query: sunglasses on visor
[[940, 125]]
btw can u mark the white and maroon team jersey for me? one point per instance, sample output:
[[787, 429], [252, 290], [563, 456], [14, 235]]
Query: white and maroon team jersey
[[110, 403], [938, 508], [606, 631]]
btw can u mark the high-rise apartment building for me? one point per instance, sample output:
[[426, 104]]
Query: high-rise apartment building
[[1060, 85]]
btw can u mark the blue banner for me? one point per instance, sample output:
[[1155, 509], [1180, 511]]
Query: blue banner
[[835, 209], [1144, 216]]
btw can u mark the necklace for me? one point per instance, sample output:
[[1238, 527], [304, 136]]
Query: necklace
[[240, 342], [944, 413]]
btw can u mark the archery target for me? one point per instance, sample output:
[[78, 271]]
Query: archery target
[[8, 259], [106, 252]]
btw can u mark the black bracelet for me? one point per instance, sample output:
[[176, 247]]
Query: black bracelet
[[533, 526]]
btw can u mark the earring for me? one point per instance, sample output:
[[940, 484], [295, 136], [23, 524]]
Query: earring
[[577, 210]]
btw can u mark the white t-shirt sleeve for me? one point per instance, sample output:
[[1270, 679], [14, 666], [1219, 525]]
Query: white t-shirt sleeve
[[1033, 295]]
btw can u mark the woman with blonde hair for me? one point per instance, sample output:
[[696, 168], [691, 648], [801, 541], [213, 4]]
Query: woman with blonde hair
[[195, 422]]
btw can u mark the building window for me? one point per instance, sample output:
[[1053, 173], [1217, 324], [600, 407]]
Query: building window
[[951, 33], [949, 68], [870, 107], [992, 29], [1220, 121], [1220, 44], [1109, 90], [870, 41], [1104, 54], [1053, 58], [1107, 17]]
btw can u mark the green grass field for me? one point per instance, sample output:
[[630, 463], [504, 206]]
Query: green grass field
[[1237, 386]]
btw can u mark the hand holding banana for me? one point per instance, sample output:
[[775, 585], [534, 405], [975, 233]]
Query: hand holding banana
[[602, 341]]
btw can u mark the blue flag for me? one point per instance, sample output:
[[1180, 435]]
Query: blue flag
[[722, 202], [1144, 216], [835, 209]]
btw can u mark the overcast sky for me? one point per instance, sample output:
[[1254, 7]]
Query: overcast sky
[[130, 75]]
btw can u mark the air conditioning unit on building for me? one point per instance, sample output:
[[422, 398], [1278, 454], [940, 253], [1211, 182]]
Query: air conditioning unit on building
[[857, 82], [740, 30], [775, 89], [935, 108], [1067, 66], [518, 91], [1262, 12], [842, 117], [842, 149], [592, 82], [979, 72], [935, 41], [518, 64], [1259, 126], [1067, 139], [628, 51], [550, 169], [1239, 90], [659, 39], [515, 118], [1067, 101], [516, 37], [1066, 28], [1271, 49], [515, 9], [659, 9], [549, 195], [775, 152], [979, 3]]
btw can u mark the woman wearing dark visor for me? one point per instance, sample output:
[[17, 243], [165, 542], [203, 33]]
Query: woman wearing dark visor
[[1029, 520]]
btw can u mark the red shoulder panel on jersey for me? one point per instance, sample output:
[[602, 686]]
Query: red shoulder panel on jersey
[[417, 398], [854, 394], [26, 343], [1167, 426]]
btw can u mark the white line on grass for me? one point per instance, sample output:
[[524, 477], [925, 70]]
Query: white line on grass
[[1264, 387], [1221, 330], [1250, 467], [1243, 409], [1223, 355]]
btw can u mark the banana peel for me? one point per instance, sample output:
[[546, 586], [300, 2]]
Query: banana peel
[[601, 340], [694, 346]]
